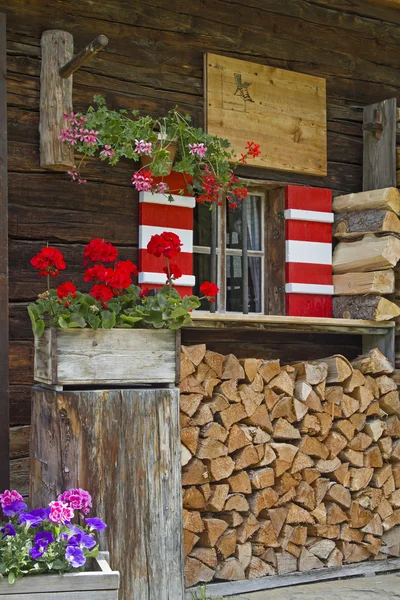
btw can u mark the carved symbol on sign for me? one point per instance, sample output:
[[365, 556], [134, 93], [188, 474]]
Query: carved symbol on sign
[[242, 88]]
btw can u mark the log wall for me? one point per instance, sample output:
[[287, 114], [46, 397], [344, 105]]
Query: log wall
[[153, 62]]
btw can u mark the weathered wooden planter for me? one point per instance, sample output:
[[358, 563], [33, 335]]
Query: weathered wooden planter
[[106, 356], [102, 584]]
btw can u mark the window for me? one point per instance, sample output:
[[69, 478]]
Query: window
[[232, 238]]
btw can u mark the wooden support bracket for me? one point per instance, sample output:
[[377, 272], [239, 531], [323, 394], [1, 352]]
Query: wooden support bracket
[[379, 133], [57, 67]]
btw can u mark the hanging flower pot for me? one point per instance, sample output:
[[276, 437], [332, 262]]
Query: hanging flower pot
[[165, 149]]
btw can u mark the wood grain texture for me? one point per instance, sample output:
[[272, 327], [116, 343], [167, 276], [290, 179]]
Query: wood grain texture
[[285, 111], [102, 583], [274, 231], [4, 393], [105, 356], [379, 162], [55, 100], [124, 446]]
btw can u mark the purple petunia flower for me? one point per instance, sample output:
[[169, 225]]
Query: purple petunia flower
[[8, 529], [43, 513], [96, 523], [14, 508], [44, 536], [74, 556], [38, 550], [81, 538], [29, 519]]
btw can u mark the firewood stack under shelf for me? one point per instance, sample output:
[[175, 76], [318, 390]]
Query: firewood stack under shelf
[[287, 468]]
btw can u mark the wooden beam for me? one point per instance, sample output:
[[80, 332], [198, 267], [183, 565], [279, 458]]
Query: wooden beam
[[284, 323], [390, 3], [4, 395]]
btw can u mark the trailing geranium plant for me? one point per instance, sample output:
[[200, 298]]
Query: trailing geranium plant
[[45, 540], [113, 300], [206, 160]]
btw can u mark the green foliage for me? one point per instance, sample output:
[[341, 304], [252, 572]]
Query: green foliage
[[119, 129], [162, 310], [202, 595]]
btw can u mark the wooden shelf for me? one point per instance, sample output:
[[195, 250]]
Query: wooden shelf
[[282, 323]]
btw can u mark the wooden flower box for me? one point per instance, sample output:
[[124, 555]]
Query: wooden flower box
[[106, 356], [102, 584]]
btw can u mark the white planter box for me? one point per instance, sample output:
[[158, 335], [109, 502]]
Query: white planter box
[[91, 585], [106, 356]]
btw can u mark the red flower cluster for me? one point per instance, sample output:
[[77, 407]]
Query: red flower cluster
[[100, 251], [108, 281], [167, 244], [49, 261], [212, 189], [66, 289], [253, 149], [174, 271], [210, 290]]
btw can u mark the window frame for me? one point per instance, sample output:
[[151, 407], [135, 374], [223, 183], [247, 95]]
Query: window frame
[[262, 193]]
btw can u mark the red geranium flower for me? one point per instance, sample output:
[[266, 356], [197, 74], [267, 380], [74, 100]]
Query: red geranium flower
[[102, 293], [119, 278], [66, 289], [128, 265], [253, 149], [143, 292], [100, 251], [49, 261], [167, 244], [97, 272], [210, 290], [174, 271]]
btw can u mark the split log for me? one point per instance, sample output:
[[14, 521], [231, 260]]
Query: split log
[[269, 369], [230, 570], [372, 253], [186, 455], [356, 284], [231, 368], [373, 362], [208, 556], [226, 545], [217, 499], [390, 403], [197, 572], [258, 568], [311, 372], [349, 225], [371, 308], [308, 561], [339, 368], [383, 199]]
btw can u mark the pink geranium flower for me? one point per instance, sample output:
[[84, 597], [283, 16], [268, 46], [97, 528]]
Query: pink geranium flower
[[60, 513]]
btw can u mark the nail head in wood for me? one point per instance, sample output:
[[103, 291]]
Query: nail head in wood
[[84, 56]]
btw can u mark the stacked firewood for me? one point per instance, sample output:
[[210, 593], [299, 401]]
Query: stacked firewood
[[287, 468], [368, 229]]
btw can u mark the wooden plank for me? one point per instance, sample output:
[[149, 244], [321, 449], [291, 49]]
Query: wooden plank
[[114, 356], [55, 100], [272, 582], [67, 595], [19, 441], [372, 253], [274, 243], [145, 543], [281, 110], [379, 162], [204, 319], [381, 199], [101, 583], [4, 393]]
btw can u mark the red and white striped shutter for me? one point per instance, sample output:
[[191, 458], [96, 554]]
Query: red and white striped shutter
[[309, 221], [158, 214]]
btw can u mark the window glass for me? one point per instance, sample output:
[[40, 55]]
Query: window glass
[[234, 284]]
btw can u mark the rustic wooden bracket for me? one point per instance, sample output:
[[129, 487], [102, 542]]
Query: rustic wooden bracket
[[377, 125], [58, 64], [379, 133]]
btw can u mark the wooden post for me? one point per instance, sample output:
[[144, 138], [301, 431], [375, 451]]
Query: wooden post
[[275, 267], [379, 162], [4, 396], [124, 447], [55, 100]]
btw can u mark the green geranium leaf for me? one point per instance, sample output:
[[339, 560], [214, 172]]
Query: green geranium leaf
[[131, 320], [108, 319], [63, 323], [39, 328], [78, 320], [11, 577]]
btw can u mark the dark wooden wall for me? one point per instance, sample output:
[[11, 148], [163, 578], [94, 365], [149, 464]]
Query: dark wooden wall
[[153, 62]]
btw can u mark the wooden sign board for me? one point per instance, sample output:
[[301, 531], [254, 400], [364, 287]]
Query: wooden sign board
[[283, 111]]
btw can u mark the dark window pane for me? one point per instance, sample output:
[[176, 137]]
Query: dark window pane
[[202, 225], [201, 266], [234, 291]]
